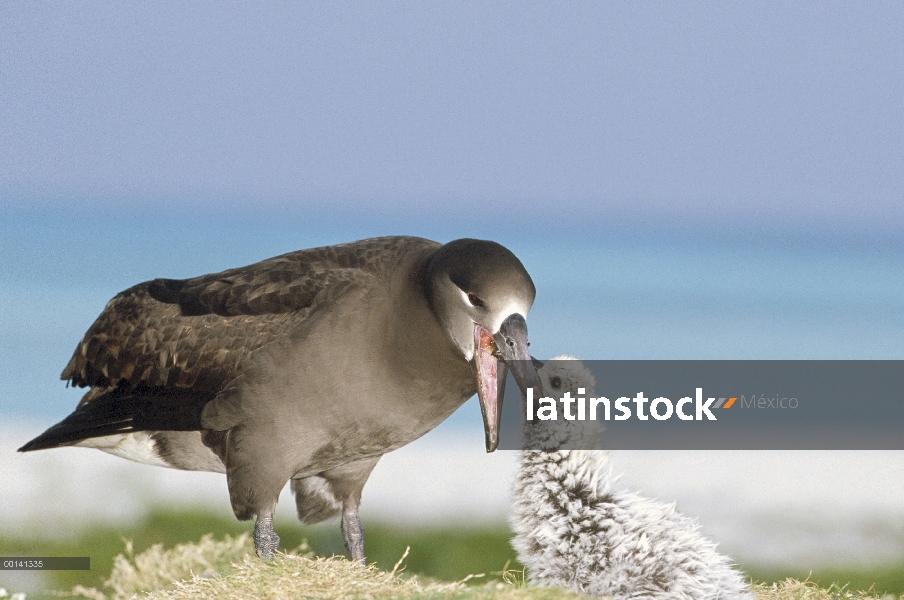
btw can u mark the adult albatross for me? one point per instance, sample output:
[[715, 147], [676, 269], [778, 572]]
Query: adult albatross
[[305, 367]]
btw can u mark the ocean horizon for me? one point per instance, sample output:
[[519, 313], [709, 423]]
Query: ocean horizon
[[601, 295]]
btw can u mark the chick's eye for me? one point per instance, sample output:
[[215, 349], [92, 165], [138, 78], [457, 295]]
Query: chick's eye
[[475, 301], [555, 382]]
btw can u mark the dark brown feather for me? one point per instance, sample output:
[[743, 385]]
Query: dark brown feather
[[120, 411], [197, 333]]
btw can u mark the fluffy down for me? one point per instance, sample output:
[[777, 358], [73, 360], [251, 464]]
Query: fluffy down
[[572, 530]]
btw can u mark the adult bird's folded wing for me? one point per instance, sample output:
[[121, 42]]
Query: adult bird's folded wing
[[196, 333]]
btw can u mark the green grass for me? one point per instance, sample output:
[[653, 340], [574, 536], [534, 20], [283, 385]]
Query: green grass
[[445, 554]]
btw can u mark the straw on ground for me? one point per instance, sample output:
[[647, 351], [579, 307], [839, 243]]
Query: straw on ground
[[228, 569]]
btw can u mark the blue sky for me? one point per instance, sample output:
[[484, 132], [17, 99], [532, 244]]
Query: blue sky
[[744, 115]]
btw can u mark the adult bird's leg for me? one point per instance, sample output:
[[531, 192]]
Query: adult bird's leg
[[266, 542], [352, 531]]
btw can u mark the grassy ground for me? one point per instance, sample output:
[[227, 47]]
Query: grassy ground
[[435, 555], [227, 570]]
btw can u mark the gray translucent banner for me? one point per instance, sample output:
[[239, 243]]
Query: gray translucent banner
[[709, 405]]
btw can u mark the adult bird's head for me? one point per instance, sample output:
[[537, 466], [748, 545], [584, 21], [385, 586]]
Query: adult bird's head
[[482, 293]]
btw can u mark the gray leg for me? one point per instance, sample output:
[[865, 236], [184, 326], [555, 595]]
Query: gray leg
[[352, 531], [266, 542]]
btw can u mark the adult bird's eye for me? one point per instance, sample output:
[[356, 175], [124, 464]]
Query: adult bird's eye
[[555, 382], [475, 301]]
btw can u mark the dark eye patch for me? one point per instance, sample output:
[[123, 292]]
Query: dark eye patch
[[475, 301], [555, 382]]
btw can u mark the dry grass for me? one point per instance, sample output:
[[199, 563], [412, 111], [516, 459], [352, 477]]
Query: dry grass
[[792, 589], [158, 569], [228, 569]]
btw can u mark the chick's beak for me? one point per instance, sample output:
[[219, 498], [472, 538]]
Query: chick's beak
[[513, 346]]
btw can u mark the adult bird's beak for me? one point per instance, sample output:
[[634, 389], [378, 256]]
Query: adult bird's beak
[[493, 356]]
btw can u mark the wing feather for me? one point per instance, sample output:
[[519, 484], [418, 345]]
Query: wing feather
[[198, 333]]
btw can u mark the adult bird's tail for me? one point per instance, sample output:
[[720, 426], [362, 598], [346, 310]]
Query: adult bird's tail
[[123, 411]]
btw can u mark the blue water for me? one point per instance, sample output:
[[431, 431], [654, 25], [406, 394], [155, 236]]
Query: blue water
[[602, 294]]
